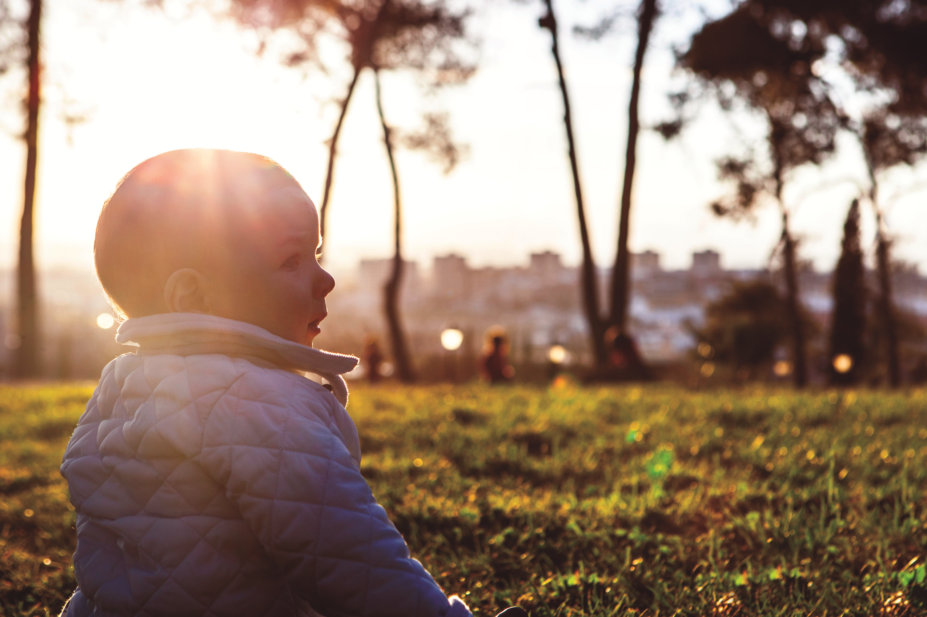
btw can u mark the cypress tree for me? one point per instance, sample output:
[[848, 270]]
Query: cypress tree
[[848, 325]]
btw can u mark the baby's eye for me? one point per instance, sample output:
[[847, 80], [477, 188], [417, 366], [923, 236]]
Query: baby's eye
[[318, 256], [291, 263]]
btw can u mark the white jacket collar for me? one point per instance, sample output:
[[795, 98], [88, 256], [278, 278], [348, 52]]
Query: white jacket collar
[[189, 333]]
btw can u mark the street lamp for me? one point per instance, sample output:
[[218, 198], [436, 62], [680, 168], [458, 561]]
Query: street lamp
[[843, 363], [782, 368], [557, 354], [451, 340]]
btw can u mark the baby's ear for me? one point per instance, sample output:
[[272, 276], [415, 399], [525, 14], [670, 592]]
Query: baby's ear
[[185, 292]]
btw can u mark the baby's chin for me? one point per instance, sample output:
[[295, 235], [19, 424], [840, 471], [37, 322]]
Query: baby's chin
[[302, 337]]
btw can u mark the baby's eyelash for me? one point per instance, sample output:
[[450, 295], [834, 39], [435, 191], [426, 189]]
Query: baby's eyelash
[[291, 262]]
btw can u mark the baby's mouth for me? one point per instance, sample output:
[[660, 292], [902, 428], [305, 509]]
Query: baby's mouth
[[314, 325]]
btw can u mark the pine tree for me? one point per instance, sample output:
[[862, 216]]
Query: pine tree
[[847, 350]]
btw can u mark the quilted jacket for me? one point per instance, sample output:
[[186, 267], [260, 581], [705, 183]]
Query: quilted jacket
[[212, 478]]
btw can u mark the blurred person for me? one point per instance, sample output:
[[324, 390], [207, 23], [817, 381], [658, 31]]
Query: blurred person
[[624, 360], [209, 475], [494, 363], [372, 359]]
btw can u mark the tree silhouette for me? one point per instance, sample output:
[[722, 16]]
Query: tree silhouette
[[747, 57], [889, 140], [395, 34], [848, 324], [882, 45], [892, 134], [647, 13], [589, 285], [646, 16], [745, 326], [381, 35], [15, 48]]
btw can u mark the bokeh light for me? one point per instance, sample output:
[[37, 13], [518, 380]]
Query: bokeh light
[[451, 339], [782, 368], [106, 321], [843, 363], [557, 354]]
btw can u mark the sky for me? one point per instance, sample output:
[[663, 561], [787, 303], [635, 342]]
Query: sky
[[148, 81]]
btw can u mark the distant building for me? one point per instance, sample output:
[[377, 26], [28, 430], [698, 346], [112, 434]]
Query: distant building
[[373, 274], [546, 265], [645, 264], [706, 263], [450, 276]]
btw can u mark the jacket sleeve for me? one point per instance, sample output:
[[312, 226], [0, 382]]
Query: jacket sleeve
[[287, 467]]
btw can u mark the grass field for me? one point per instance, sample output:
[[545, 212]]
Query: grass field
[[569, 501]]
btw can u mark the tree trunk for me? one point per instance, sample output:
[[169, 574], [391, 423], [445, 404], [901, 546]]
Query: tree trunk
[[333, 151], [647, 14], [391, 289], [848, 318], [884, 272], [27, 357], [793, 301], [886, 305], [590, 294]]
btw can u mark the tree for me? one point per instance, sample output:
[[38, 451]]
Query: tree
[[743, 57], [882, 45], [910, 333], [383, 36], [589, 286], [646, 16], [889, 140], [745, 327], [27, 362], [848, 324], [616, 323]]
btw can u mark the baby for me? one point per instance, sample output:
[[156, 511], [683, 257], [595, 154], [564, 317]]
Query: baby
[[210, 477]]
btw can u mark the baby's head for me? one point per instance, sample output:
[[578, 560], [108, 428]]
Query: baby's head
[[224, 233]]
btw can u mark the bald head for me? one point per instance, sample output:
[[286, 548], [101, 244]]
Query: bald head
[[180, 209]]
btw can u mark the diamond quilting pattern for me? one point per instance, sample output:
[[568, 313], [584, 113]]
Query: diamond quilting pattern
[[206, 485]]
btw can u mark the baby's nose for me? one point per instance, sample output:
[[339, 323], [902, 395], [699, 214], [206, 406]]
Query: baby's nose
[[324, 284]]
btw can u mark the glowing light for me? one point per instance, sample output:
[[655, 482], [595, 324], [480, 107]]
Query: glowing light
[[105, 321], [705, 350], [562, 382], [557, 354], [452, 339], [843, 363], [782, 368], [708, 369]]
